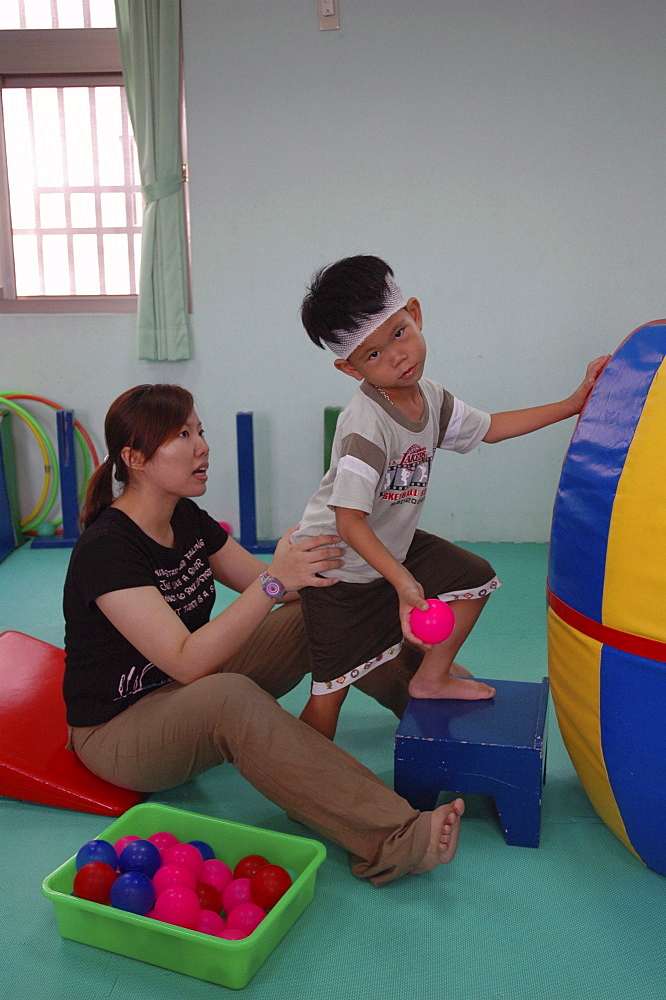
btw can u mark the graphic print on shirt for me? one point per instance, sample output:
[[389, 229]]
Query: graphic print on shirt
[[406, 479], [189, 583], [135, 682]]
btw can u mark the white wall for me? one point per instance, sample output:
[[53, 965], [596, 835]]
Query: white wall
[[506, 158]]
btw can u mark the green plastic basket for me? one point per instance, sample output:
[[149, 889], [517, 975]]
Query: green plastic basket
[[227, 963]]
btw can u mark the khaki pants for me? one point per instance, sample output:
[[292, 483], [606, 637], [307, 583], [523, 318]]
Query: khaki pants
[[179, 731]]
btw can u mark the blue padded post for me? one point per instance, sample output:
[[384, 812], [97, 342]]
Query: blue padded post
[[246, 487], [68, 491], [495, 747]]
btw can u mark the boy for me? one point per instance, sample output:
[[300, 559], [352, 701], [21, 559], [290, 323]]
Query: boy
[[371, 497]]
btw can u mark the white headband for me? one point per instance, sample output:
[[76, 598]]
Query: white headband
[[349, 340]]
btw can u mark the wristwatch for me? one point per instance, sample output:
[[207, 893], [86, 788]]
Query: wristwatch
[[271, 586]]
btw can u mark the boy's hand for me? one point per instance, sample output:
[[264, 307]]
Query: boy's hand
[[594, 370], [410, 596]]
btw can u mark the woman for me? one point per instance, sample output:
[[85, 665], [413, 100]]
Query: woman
[[158, 692]]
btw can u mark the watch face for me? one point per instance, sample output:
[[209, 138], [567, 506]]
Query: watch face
[[273, 588]]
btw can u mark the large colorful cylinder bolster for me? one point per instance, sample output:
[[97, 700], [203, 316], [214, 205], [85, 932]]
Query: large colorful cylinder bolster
[[607, 596]]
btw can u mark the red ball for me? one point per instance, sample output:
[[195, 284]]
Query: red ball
[[269, 884], [93, 881], [248, 865], [209, 897]]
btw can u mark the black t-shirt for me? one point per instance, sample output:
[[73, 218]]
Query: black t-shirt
[[104, 673]]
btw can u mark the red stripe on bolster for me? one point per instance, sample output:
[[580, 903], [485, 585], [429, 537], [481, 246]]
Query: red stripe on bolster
[[627, 642]]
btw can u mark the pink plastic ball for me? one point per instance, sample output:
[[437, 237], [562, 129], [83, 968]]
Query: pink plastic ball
[[178, 905], [434, 625], [216, 873], [163, 840], [184, 854], [235, 893], [123, 842], [230, 934], [227, 527], [245, 917], [173, 874], [210, 923]]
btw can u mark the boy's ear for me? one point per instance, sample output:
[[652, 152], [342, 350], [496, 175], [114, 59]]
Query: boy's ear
[[343, 365], [414, 308]]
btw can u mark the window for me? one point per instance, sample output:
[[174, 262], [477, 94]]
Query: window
[[70, 194]]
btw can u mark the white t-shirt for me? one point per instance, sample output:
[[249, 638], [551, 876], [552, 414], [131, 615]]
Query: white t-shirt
[[380, 464]]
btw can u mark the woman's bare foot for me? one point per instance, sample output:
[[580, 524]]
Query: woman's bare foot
[[444, 833], [449, 687]]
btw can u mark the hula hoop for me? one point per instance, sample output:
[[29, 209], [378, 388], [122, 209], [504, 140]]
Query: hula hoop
[[85, 443], [50, 465], [79, 430]]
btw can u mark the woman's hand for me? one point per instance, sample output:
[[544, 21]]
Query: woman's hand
[[296, 564]]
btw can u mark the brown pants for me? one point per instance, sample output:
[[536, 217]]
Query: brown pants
[[179, 731]]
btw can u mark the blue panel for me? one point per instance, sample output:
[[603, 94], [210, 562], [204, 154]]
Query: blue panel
[[592, 469], [633, 695]]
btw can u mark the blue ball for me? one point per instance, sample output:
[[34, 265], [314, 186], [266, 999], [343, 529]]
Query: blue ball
[[204, 849], [140, 856], [133, 892], [97, 850]]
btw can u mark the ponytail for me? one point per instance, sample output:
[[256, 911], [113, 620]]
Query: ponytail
[[99, 493]]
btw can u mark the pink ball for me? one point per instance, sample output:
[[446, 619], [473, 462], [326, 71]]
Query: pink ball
[[123, 842], [178, 905], [238, 891], [216, 873], [184, 854], [227, 527], [210, 923], [232, 934], [245, 917], [434, 625], [163, 840], [173, 874]]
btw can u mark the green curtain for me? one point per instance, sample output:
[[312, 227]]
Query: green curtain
[[149, 33]]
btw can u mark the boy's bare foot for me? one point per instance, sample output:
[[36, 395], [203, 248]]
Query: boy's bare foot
[[457, 670], [444, 833], [449, 687]]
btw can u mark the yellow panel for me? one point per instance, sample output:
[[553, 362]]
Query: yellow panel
[[574, 666], [634, 589]]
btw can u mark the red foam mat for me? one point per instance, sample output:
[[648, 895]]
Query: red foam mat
[[35, 765]]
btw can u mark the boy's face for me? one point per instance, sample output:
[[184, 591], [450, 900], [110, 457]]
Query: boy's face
[[393, 357]]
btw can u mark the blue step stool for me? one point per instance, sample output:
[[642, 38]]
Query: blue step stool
[[495, 747]]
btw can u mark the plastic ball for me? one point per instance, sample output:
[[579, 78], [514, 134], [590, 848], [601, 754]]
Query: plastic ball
[[231, 934], [140, 856], [45, 529], [173, 874], [163, 840], [185, 854], [269, 884], [178, 905], [124, 841], [133, 891], [216, 873], [245, 917], [227, 527], [209, 897], [97, 850], [93, 881], [204, 849], [434, 625], [210, 923], [235, 893], [248, 865]]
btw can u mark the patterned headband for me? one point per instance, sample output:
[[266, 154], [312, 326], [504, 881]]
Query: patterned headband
[[349, 340]]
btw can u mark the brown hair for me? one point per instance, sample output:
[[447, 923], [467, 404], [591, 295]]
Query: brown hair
[[142, 418]]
